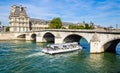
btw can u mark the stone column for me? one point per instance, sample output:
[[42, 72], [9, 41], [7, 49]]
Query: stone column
[[58, 40], [28, 37], [95, 46], [39, 38]]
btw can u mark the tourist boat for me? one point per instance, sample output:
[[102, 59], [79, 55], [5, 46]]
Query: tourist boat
[[61, 48]]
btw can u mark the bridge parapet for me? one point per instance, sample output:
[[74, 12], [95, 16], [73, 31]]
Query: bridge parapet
[[80, 30]]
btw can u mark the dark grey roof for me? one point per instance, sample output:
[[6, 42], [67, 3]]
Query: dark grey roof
[[42, 20], [33, 20], [19, 10], [67, 23]]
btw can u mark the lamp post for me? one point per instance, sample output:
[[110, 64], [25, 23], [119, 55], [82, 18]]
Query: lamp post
[[116, 26], [0, 22]]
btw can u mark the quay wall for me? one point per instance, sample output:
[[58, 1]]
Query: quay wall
[[9, 36]]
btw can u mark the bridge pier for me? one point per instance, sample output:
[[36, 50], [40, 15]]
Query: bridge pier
[[39, 39], [58, 40], [95, 45], [28, 37]]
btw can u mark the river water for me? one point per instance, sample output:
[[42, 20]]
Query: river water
[[26, 57]]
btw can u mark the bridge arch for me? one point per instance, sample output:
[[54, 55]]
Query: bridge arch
[[73, 38], [110, 46], [48, 37], [21, 36], [33, 36]]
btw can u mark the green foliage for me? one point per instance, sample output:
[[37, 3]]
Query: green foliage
[[7, 29], [80, 27], [63, 27], [71, 26], [55, 23], [87, 26], [75, 26], [105, 28]]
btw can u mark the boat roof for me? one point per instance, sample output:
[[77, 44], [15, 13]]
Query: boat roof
[[61, 45]]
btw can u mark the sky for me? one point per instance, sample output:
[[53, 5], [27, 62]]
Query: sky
[[100, 12]]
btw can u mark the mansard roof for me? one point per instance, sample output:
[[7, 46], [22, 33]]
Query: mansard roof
[[67, 23], [39, 21], [18, 11]]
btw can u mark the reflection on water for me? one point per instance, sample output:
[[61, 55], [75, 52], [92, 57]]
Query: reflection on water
[[118, 49], [26, 57], [96, 61]]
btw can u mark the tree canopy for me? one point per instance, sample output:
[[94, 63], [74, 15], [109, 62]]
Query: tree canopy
[[55, 23], [71, 26], [7, 29], [86, 26]]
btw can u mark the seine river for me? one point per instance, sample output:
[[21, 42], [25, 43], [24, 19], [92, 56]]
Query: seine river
[[26, 57]]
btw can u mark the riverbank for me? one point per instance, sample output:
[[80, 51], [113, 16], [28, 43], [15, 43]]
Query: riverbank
[[9, 36]]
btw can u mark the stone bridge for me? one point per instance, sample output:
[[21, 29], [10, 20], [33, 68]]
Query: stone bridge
[[100, 41]]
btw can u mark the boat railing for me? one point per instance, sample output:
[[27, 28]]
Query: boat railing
[[62, 46]]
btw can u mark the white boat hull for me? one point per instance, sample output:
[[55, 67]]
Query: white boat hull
[[61, 50]]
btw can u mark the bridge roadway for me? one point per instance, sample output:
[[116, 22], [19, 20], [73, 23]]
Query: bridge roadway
[[100, 40]]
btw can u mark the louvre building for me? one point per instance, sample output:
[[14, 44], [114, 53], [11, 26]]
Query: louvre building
[[19, 21]]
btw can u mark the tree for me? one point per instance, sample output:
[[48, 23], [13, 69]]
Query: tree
[[0, 23], [71, 26], [7, 29], [80, 27], [55, 23], [91, 25], [86, 26]]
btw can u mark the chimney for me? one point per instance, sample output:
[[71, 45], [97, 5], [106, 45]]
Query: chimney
[[13, 8], [21, 8]]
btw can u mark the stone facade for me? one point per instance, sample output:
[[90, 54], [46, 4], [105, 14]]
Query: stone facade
[[19, 21], [37, 24]]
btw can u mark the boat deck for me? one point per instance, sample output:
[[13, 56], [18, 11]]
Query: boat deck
[[62, 48]]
